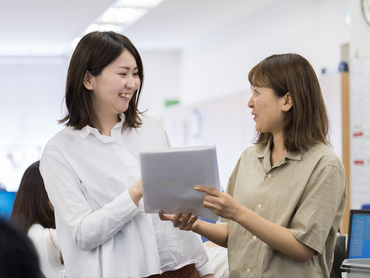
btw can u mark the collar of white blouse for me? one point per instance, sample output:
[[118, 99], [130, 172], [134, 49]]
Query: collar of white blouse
[[104, 138]]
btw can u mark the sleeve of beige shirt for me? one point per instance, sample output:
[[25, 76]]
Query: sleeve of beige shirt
[[321, 206]]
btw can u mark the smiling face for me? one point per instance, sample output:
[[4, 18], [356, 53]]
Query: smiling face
[[114, 87], [268, 110]]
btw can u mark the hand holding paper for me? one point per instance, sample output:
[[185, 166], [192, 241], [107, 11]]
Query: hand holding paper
[[169, 176], [185, 222], [221, 203]]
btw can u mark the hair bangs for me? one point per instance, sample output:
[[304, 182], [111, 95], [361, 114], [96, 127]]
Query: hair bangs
[[258, 77]]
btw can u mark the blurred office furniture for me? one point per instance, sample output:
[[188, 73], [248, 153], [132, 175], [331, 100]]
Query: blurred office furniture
[[6, 204], [366, 206], [339, 256], [358, 242], [343, 66], [357, 263], [335, 90], [356, 268]]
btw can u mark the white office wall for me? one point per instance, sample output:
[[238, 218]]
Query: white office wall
[[31, 98], [218, 64], [223, 122], [360, 34], [161, 79]]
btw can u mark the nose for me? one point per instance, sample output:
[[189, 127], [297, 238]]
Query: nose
[[130, 82], [250, 102]]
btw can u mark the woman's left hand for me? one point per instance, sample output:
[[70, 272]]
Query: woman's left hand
[[222, 204]]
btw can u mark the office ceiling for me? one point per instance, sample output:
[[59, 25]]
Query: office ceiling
[[48, 26]]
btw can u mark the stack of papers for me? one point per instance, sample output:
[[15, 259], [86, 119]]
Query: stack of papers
[[169, 175]]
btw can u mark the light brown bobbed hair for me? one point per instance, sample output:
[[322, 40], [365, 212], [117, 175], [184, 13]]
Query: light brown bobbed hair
[[93, 53], [31, 203], [306, 123]]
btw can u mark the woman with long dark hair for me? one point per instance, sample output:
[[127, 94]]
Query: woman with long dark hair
[[92, 176], [33, 214]]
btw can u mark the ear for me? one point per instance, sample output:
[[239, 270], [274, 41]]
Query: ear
[[87, 81], [288, 103]]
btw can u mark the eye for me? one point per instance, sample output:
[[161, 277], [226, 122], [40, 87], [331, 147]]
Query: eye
[[124, 74], [136, 74], [255, 92]]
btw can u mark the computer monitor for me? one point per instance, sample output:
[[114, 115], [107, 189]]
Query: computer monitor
[[358, 243], [6, 204]]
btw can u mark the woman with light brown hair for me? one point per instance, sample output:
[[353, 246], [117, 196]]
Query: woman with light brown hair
[[286, 196], [33, 214]]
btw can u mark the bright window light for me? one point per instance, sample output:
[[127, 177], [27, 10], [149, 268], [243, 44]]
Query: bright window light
[[348, 17]]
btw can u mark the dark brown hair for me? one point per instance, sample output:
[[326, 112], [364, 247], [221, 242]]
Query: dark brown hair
[[31, 203], [93, 53], [306, 123]]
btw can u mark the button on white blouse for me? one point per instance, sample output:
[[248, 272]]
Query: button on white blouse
[[102, 233]]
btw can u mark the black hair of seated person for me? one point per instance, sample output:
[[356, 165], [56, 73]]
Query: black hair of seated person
[[18, 256]]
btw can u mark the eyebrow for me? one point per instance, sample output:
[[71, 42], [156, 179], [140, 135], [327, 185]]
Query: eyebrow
[[128, 68]]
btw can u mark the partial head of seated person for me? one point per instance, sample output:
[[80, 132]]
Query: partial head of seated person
[[33, 214], [18, 257], [286, 196]]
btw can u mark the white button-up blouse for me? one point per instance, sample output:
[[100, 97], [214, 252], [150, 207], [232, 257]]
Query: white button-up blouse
[[102, 233]]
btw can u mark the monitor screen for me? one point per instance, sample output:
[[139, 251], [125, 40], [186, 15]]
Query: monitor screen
[[359, 234], [6, 204]]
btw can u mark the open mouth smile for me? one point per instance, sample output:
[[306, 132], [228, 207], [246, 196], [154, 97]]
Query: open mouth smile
[[123, 95]]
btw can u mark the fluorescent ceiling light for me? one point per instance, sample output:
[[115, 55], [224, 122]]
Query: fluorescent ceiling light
[[138, 3], [109, 15], [104, 27], [121, 15]]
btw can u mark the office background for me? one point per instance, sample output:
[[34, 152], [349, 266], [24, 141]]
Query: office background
[[195, 52]]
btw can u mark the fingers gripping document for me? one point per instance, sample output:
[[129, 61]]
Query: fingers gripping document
[[169, 175]]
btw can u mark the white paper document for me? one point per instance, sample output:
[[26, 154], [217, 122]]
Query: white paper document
[[169, 175]]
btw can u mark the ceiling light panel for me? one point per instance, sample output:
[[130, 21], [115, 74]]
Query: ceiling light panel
[[137, 3], [118, 16], [121, 15]]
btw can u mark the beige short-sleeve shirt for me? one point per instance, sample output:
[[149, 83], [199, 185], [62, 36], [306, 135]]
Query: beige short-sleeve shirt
[[304, 192]]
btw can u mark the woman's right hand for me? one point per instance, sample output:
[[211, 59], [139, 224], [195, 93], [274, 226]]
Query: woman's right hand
[[136, 192], [183, 222]]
